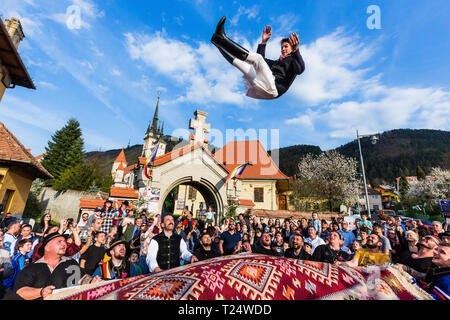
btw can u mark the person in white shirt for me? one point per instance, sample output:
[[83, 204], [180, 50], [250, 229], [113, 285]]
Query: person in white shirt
[[9, 238], [314, 239], [167, 248]]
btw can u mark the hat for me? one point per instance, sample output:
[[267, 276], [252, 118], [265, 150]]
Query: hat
[[114, 244], [164, 214], [49, 238], [126, 203], [110, 201], [98, 209], [442, 234]]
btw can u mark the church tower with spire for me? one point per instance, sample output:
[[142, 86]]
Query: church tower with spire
[[154, 135]]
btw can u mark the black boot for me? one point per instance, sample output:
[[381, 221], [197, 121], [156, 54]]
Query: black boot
[[227, 56], [220, 40]]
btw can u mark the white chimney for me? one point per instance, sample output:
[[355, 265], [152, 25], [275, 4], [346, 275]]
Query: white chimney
[[15, 31]]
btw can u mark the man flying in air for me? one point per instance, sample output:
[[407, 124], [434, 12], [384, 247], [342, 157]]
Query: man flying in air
[[263, 78]]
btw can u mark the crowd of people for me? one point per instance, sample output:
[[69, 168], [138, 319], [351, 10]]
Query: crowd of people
[[116, 242]]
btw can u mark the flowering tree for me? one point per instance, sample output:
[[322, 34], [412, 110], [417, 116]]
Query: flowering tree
[[430, 191], [330, 176]]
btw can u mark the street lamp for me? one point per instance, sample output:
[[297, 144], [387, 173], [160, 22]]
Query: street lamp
[[373, 139]]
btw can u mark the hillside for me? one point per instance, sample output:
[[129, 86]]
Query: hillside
[[289, 157], [398, 152], [132, 153]]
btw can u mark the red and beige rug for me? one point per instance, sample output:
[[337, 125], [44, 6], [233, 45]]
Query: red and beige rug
[[256, 277]]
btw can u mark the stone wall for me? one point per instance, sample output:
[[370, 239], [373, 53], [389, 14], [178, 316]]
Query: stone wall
[[65, 204]]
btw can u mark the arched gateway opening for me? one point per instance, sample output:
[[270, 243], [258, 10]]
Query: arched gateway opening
[[210, 196]]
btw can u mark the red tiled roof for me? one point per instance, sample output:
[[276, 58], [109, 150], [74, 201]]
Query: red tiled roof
[[245, 202], [120, 167], [12, 150], [123, 192], [235, 153], [121, 157], [128, 169], [40, 157], [89, 203]]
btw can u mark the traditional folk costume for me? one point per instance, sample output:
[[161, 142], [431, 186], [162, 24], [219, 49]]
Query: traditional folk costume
[[108, 271], [263, 78]]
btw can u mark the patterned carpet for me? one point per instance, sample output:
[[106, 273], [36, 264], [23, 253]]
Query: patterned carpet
[[256, 277]]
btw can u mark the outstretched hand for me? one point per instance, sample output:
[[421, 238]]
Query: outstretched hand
[[267, 33], [294, 41]]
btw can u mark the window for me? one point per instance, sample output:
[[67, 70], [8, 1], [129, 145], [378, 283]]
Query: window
[[258, 194], [7, 199]]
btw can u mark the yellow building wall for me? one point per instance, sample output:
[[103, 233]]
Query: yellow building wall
[[270, 193], [2, 88], [17, 180]]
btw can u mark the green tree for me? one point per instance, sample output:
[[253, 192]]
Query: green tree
[[403, 187], [106, 183], [80, 177], [230, 209], [64, 150], [420, 173], [33, 205]]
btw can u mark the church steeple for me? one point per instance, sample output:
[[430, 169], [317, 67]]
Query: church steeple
[[154, 134], [154, 127]]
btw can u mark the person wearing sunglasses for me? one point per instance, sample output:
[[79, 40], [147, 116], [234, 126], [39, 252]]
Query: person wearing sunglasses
[[422, 260], [40, 228]]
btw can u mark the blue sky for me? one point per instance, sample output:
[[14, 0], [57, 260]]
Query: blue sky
[[106, 71]]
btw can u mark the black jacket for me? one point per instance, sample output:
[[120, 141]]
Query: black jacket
[[203, 254], [324, 253], [303, 255], [284, 70], [38, 275], [260, 249]]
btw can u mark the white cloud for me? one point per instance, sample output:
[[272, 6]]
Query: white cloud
[[179, 20], [87, 10], [31, 114], [251, 13], [285, 24], [303, 120], [116, 72], [47, 85], [424, 108], [200, 71], [344, 97], [97, 52], [333, 68]]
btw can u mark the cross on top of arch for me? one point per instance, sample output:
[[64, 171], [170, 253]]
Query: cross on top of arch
[[199, 125]]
